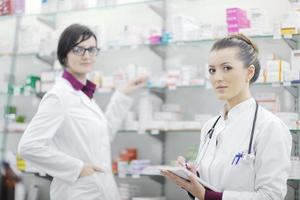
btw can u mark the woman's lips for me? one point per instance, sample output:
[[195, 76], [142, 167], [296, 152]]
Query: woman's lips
[[86, 64], [221, 88]]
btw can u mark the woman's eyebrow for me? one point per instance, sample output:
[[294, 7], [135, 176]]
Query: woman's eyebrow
[[224, 63]]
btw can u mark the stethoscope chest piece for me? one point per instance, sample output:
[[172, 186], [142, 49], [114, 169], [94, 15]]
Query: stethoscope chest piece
[[248, 157]]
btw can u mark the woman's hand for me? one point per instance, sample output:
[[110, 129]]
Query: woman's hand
[[134, 85], [188, 165], [192, 186], [89, 169]]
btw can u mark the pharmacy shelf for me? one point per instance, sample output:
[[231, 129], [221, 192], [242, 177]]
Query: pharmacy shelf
[[157, 178], [148, 131], [98, 8], [160, 178], [160, 46], [3, 54], [158, 131], [294, 181], [162, 89], [12, 132], [152, 132]]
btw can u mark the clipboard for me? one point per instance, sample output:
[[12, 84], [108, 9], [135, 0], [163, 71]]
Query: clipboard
[[184, 173]]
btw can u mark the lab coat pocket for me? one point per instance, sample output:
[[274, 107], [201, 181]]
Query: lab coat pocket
[[84, 188], [242, 167]]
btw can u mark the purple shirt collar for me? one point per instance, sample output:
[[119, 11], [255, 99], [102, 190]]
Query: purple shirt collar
[[88, 89]]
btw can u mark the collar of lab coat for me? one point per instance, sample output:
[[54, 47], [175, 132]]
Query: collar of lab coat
[[238, 109], [89, 103]]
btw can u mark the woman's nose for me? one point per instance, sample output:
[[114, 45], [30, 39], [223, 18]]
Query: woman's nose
[[86, 54], [218, 76]]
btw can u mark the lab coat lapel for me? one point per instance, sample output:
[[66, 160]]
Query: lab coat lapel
[[212, 145], [89, 103]]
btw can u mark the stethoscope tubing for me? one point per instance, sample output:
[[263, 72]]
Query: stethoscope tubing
[[210, 133]]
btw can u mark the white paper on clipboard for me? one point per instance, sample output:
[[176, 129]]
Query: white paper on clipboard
[[183, 173]]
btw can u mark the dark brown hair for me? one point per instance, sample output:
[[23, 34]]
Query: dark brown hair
[[69, 39]]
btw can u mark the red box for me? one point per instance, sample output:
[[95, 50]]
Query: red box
[[6, 7]]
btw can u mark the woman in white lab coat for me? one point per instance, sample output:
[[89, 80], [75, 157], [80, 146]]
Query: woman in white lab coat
[[245, 151], [69, 137]]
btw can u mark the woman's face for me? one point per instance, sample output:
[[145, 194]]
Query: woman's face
[[227, 73], [79, 63]]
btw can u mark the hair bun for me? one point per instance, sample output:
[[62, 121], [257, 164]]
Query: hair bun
[[245, 39]]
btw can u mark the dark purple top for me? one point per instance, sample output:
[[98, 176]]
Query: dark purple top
[[212, 195], [87, 89]]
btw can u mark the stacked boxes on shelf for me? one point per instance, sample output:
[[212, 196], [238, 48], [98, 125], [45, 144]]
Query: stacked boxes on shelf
[[260, 24], [16, 123], [8, 7], [276, 70], [291, 119], [185, 28], [48, 79], [269, 101], [295, 66], [236, 20], [127, 163], [295, 170], [155, 116], [290, 24], [128, 191], [184, 76], [118, 78]]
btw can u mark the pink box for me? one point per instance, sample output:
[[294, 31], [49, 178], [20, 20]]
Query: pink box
[[241, 23], [235, 18], [233, 30], [235, 12], [155, 39], [19, 6]]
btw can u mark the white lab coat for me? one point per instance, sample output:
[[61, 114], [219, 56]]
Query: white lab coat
[[68, 130], [261, 178]]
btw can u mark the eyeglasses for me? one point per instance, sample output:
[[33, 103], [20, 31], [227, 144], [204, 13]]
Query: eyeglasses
[[80, 51]]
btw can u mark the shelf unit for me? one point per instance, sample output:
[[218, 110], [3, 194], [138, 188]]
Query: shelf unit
[[160, 50]]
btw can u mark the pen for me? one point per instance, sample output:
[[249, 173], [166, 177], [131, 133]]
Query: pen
[[187, 165]]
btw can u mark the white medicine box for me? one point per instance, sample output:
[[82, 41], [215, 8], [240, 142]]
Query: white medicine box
[[295, 60]]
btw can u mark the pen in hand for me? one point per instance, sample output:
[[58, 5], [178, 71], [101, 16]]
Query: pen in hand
[[187, 166], [184, 163]]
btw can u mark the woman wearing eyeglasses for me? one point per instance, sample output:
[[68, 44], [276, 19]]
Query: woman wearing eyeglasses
[[244, 152], [69, 137]]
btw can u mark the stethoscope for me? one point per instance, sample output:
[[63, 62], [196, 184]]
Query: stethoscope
[[210, 133]]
